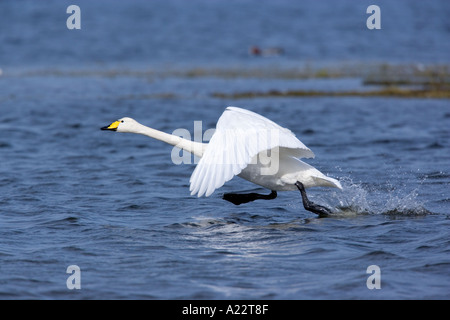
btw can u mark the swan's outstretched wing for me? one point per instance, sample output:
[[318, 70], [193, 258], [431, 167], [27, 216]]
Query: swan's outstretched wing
[[240, 135]]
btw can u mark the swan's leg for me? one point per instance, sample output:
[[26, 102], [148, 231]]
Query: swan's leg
[[238, 199], [311, 206]]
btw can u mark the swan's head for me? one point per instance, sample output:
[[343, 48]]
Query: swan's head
[[123, 125]]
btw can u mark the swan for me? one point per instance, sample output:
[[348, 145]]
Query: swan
[[247, 145]]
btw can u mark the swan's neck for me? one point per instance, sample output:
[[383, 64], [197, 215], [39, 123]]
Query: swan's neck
[[196, 148]]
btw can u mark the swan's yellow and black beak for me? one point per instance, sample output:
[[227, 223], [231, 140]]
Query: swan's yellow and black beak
[[113, 126]]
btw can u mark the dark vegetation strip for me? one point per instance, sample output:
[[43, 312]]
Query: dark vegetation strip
[[434, 93]]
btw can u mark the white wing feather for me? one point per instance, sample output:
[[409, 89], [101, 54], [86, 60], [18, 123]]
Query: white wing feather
[[240, 135]]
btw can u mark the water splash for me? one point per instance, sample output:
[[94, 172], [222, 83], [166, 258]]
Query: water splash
[[405, 205], [359, 199]]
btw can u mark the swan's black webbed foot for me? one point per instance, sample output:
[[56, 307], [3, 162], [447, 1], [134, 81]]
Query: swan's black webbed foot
[[238, 199], [311, 206]]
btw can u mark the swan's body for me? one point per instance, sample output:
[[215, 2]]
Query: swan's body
[[245, 144]]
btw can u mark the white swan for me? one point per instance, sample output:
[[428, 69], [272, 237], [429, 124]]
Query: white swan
[[250, 146]]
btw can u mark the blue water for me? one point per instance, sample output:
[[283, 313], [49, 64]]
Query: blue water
[[116, 206]]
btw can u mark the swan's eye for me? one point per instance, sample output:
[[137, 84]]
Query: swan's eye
[[121, 121]]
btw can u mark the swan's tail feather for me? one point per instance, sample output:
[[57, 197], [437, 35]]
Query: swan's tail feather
[[327, 182]]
